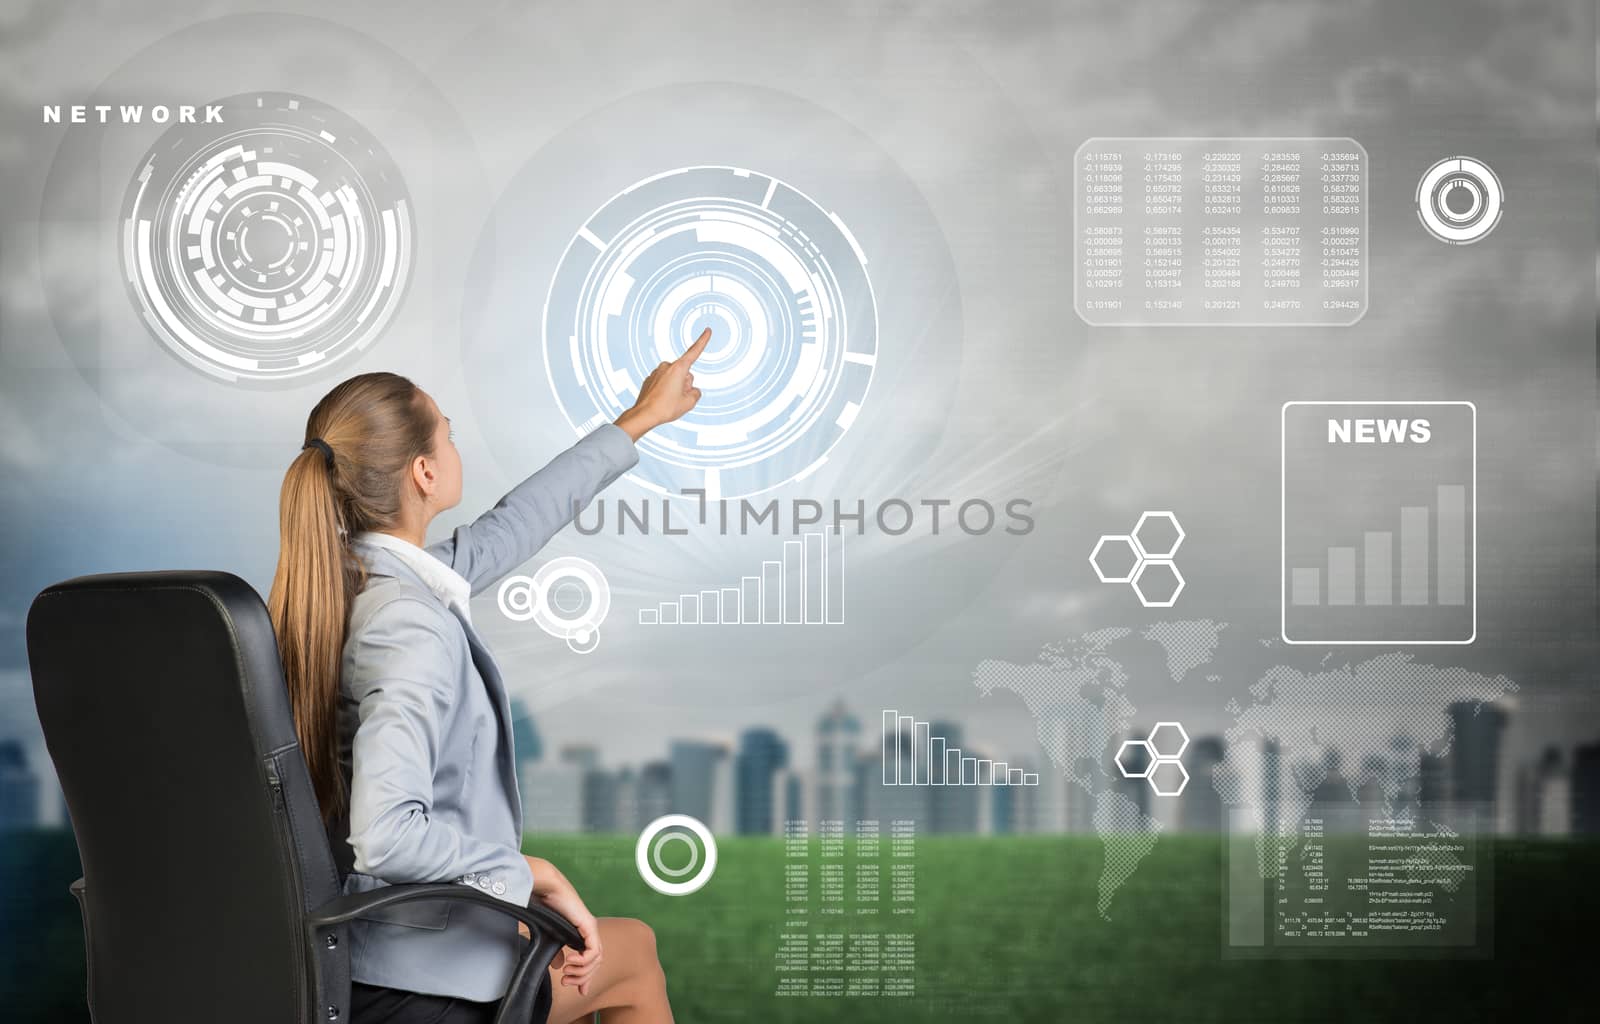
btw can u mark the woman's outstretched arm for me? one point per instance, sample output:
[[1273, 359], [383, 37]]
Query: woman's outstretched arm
[[532, 512], [525, 519]]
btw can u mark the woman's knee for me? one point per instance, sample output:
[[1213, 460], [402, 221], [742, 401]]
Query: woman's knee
[[647, 935], [632, 933], [641, 939]]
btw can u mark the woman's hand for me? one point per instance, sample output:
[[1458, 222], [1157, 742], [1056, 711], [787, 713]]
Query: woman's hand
[[667, 393], [552, 889]]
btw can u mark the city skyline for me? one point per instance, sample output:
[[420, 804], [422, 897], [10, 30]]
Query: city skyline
[[1555, 792], [705, 778]]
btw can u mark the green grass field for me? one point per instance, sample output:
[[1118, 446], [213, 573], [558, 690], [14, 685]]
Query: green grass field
[[1006, 930]]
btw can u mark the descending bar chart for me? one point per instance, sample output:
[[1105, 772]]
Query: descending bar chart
[[914, 757], [803, 587], [1379, 522]]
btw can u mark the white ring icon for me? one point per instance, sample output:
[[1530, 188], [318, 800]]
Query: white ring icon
[[568, 597], [656, 835], [516, 598], [674, 837], [1459, 200]]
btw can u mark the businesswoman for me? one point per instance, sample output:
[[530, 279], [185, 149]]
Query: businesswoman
[[403, 716]]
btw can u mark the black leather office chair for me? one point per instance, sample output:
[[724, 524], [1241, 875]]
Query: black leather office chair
[[209, 890]]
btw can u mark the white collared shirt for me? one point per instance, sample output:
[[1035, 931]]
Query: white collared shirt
[[451, 587]]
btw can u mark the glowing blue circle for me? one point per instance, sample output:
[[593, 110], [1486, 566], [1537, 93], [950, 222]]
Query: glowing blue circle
[[783, 286]]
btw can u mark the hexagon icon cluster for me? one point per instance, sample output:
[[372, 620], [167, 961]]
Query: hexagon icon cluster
[[1156, 759], [1143, 559]]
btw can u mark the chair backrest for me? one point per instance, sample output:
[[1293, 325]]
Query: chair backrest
[[164, 709]]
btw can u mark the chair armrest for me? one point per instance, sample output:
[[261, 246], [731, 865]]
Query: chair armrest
[[527, 995], [539, 919], [79, 893]]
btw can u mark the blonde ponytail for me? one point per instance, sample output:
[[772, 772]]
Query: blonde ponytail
[[369, 427]]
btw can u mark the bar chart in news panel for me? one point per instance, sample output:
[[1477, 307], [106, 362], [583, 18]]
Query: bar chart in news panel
[[1379, 523], [912, 756], [803, 586]]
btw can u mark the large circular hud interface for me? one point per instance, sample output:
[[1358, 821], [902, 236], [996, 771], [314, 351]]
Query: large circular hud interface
[[269, 246], [783, 286]]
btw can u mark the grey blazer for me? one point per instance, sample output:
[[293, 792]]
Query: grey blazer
[[425, 737]]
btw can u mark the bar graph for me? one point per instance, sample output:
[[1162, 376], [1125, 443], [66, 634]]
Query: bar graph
[[912, 756], [1379, 522], [803, 586], [1425, 560]]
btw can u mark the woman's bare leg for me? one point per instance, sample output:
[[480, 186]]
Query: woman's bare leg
[[628, 987]]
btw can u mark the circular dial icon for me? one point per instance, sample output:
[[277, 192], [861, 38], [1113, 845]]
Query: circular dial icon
[[783, 286], [269, 246], [1459, 200]]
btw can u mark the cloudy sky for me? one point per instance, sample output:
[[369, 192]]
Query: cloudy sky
[[944, 135]]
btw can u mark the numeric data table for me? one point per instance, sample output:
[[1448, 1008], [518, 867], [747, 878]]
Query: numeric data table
[[1201, 231]]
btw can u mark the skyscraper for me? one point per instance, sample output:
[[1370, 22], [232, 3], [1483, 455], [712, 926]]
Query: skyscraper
[[1334, 789], [595, 795], [1401, 784], [1375, 775], [1272, 789], [1586, 789], [603, 801], [1013, 810], [1063, 804], [1002, 808], [723, 808], [1433, 779], [1201, 809], [838, 740], [788, 800], [524, 736], [552, 797], [1475, 758], [866, 778], [653, 794], [1554, 795], [624, 811], [762, 753], [19, 788], [694, 776], [949, 808], [1134, 759]]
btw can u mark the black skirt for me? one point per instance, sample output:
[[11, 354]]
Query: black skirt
[[378, 1004]]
